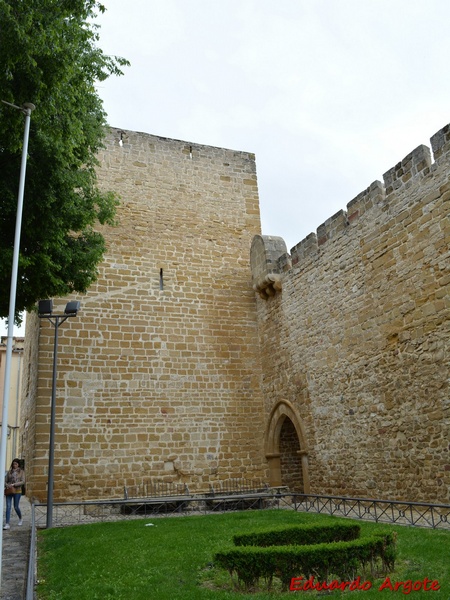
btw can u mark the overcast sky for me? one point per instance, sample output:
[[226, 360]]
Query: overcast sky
[[329, 94]]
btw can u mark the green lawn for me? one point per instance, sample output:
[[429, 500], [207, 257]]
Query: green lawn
[[172, 559]]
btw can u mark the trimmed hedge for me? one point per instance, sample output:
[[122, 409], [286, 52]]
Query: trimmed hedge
[[339, 560], [300, 535]]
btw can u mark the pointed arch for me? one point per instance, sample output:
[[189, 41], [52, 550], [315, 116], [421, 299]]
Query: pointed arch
[[281, 411]]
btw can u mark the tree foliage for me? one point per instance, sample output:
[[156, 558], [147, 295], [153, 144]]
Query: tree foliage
[[49, 56]]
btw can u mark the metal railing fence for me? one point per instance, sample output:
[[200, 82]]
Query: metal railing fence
[[416, 514], [150, 489]]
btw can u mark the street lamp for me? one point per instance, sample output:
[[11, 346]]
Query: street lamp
[[45, 311], [26, 109]]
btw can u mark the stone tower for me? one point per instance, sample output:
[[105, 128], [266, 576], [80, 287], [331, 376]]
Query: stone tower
[[158, 376]]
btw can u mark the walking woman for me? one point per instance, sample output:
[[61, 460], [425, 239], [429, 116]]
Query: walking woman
[[14, 480]]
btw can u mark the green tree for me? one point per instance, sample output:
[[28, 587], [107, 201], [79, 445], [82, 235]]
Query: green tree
[[49, 56]]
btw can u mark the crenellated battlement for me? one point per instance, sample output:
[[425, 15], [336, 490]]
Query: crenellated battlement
[[415, 163], [377, 197], [440, 143], [332, 227], [374, 195]]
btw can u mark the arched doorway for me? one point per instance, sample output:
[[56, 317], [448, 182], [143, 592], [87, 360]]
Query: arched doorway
[[286, 449], [290, 464]]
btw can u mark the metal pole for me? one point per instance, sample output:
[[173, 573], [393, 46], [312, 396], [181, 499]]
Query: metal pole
[[45, 310], [27, 108], [51, 448]]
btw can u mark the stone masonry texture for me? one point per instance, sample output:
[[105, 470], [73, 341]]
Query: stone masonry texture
[[206, 351], [159, 375], [357, 340]]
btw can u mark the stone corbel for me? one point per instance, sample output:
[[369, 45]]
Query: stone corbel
[[269, 286]]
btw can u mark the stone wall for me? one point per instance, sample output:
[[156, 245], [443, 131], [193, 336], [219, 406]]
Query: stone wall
[[331, 378], [354, 332], [159, 375]]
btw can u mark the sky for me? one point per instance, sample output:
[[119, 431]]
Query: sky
[[328, 94]]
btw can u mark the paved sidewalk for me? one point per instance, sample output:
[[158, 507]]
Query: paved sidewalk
[[16, 546]]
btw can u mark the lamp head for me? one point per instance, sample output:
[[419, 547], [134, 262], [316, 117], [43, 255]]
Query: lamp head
[[72, 308], [45, 308]]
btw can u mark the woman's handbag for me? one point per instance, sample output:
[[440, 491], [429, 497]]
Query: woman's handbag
[[9, 491]]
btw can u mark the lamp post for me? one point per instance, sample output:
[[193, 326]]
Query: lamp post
[[26, 109], [45, 311]]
